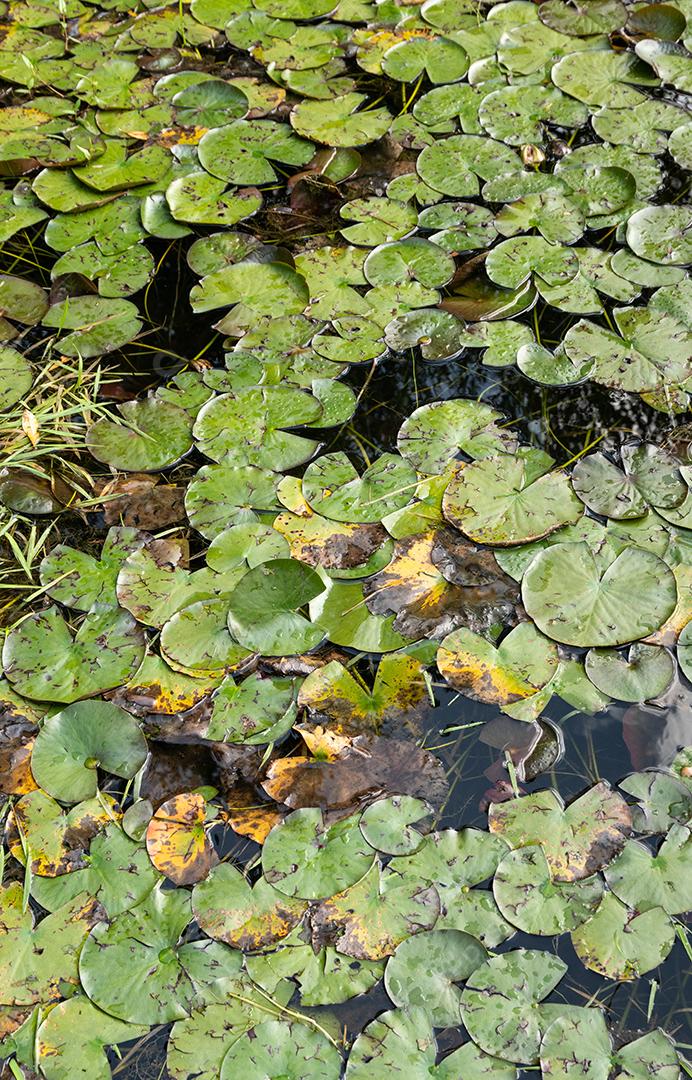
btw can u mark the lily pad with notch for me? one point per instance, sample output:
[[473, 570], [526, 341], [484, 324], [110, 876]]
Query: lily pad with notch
[[308, 858], [577, 841], [74, 743]]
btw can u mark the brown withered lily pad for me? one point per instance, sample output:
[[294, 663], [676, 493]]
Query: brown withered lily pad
[[372, 766], [138, 500], [334, 545], [417, 588]]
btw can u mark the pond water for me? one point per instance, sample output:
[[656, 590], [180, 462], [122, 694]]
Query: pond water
[[345, 531]]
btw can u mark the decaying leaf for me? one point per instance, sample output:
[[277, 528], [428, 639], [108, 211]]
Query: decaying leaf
[[177, 840]]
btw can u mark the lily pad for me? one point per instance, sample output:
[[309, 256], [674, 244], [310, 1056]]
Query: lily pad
[[43, 659], [590, 605], [86, 736], [16, 377], [577, 841], [507, 500], [305, 857], [337, 122], [645, 672], [523, 663], [425, 968], [252, 919], [253, 712], [332, 487], [621, 944], [99, 325], [264, 611], [300, 1052], [371, 919], [176, 839], [500, 1006], [242, 152], [151, 436], [529, 898]]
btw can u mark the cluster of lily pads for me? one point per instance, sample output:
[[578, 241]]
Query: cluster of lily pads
[[528, 158]]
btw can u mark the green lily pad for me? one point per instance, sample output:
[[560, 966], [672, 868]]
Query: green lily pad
[[201, 199], [247, 427], [440, 58], [36, 962], [242, 152], [619, 944], [379, 220], [305, 857], [388, 825], [257, 285], [152, 435], [665, 800], [300, 1052], [646, 672], [249, 544], [78, 580], [643, 880], [585, 1035], [425, 968], [223, 495], [253, 712], [577, 841], [264, 610], [433, 435], [513, 261], [73, 1038], [119, 874], [196, 640], [153, 979], [509, 500], [516, 114], [523, 663], [252, 919], [16, 377], [453, 166], [588, 605], [209, 104], [403, 260], [500, 1006], [332, 487], [661, 234], [337, 122], [435, 332], [463, 858], [73, 743], [100, 325], [152, 586], [652, 476], [341, 611], [401, 1040], [602, 78], [43, 659], [528, 897], [670, 61]]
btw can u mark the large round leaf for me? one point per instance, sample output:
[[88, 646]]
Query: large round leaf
[[297, 1051], [523, 663], [500, 1005], [508, 500], [337, 121], [251, 919], [529, 898], [573, 599], [86, 736], [332, 487], [619, 943], [425, 969], [577, 841], [264, 613], [305, 857], [44, 660], [153, 434]]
